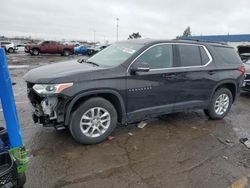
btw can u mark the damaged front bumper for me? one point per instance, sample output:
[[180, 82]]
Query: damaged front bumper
[[47, 110]]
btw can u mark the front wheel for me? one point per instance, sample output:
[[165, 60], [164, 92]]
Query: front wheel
[[11, 50], [220, 104], [93, 121]]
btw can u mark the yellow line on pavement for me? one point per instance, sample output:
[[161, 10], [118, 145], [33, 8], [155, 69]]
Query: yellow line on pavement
[[240, 183]]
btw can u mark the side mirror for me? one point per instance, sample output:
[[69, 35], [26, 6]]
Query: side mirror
[[140, 67]]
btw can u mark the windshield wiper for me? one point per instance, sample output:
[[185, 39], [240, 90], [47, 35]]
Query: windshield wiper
[[90, 62], [93, 63]]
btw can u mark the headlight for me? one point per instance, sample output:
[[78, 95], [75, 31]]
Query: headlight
[[51, 88]]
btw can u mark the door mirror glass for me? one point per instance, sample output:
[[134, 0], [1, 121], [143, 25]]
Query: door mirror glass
[[140, 67]]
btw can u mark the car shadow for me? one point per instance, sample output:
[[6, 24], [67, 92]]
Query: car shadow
[[245, 94]]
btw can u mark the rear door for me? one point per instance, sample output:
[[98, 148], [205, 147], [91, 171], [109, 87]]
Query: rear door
[[54, 47], [195, 76]]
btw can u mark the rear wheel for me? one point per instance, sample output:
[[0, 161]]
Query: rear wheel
[[11, 50], [93, 121], [66, 52], [220, 104]]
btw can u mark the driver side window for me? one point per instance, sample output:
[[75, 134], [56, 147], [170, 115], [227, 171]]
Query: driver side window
[[158, 57], [45, 43]]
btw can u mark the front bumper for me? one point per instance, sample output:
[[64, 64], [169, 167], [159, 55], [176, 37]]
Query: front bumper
[[27, 50], [246, 83], [47, 110]]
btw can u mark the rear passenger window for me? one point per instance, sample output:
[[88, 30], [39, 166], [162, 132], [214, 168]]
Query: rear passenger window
[[204, 56], [189, 55]]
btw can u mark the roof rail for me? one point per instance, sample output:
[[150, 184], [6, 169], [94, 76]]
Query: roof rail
[[197, 40]]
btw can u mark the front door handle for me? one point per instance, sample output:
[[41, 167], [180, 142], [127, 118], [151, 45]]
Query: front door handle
[[169, 76]]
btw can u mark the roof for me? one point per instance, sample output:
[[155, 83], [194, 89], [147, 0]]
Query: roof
[[181, 40], [220, 38]]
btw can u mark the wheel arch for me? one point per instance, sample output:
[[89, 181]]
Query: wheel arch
[[229, 84], [36, 48], [112, 96], [64, 49]]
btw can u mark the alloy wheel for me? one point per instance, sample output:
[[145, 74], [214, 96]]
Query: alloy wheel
[[221, 104], [95, 122]]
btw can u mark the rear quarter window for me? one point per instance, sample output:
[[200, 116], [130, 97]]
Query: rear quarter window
[[228, 55]]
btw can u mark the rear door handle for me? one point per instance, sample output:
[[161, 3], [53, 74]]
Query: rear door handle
[[211, 72], [169, 76]]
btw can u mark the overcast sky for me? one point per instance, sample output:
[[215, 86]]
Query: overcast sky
[[78, 19]]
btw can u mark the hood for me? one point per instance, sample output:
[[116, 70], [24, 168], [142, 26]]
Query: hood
[[66, 71]]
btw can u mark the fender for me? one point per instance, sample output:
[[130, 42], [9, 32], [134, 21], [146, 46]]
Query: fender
[[229, 81], [102, 91]]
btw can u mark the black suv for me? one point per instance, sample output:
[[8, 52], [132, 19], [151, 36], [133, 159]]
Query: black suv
[[134, 80]]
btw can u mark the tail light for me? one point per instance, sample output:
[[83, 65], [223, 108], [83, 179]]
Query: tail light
[[242, 69]]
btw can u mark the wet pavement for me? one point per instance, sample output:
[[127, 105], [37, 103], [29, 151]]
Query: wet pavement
[[182, 150]]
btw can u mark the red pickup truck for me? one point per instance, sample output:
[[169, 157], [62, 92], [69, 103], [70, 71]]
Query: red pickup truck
[[50, 47]]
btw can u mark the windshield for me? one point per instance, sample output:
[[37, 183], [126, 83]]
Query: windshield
[[115, 54], [39, 43]]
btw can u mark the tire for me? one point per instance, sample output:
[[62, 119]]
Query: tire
[[35, 52], [218, 110], [92, 122], [21, 179], [11, 50], [66, 52]]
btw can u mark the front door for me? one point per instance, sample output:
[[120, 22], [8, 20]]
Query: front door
[[152, 93]]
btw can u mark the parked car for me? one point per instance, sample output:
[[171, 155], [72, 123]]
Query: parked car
[[20, 48], [73, 42], [244, 52], [8, 46], [246, 83], [134, 80], [83, 50], [95, 49], [51, 47]]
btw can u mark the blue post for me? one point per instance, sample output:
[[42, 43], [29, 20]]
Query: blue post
[[8, 103]]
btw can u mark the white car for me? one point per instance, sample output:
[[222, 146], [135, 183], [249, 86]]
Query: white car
[[9, 46], [20, 47], [73, 42]]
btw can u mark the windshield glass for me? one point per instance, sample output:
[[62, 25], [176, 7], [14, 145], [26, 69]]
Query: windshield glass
[[115, 54], [39, 43]]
